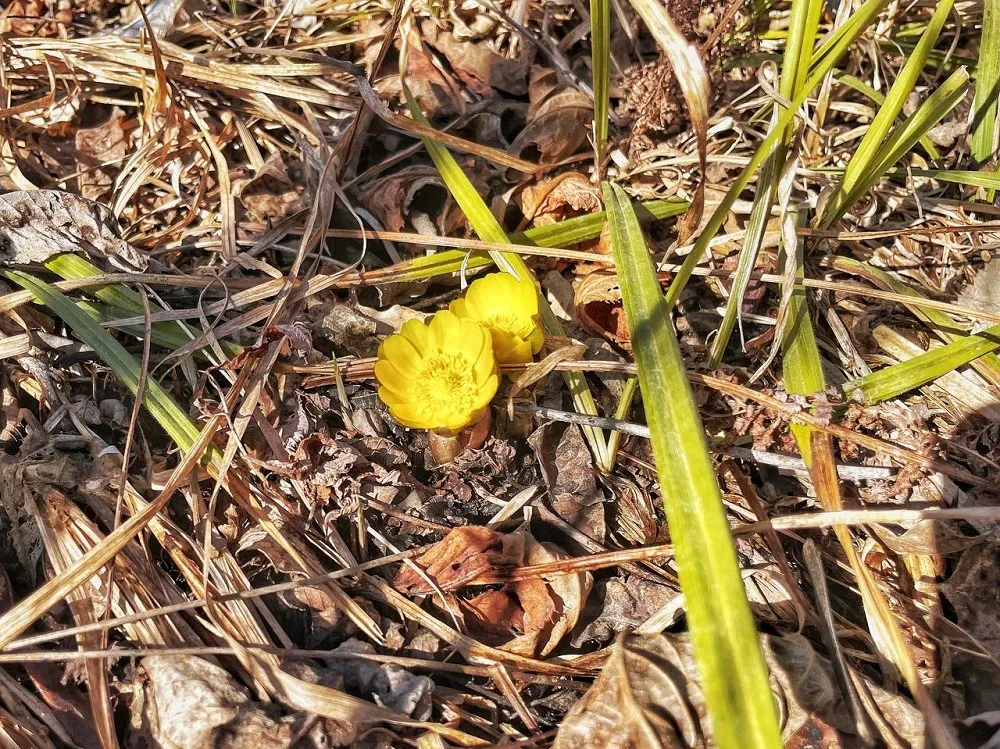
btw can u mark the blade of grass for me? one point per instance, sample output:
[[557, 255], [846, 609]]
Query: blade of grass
[[734, 677], [803, 375], [175, 422], [488, 228], [870, 151], [988, 365], [831, 50], [891, 382], [561, 234], [879, 99], [984, 106], [945, 98], [803, 22], [600, 56]]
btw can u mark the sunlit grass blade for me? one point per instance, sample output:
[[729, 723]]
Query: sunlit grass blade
[[485, 225], [803, 22], [833, 48], [174, 420], [803, 375], [945, 98], [869, 152], [120, 298], [561, 234], [879, 99], [988, 365], [891, 382], [600, 56], [733, 675], [984, 107]]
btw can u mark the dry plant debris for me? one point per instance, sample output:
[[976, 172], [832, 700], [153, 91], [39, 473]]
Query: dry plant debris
[[368, 548]]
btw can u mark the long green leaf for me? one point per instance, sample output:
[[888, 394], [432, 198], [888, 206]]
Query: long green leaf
[[833, 48], [803, 23], [988, 365], [984, 107], [891, 382], [870, 151], [600, 56], [733, 675], [175, 422]]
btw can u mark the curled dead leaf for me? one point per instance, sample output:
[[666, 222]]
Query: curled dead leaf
[[558, 128], [649, 696], [414, 198], [480, 67], [559, 198], [598, 302], [527, 617]]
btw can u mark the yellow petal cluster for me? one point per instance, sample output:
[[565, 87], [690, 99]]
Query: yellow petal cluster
[[508, 308], [440, 376]]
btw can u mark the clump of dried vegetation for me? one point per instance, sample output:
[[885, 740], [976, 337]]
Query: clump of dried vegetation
[[214, 533]]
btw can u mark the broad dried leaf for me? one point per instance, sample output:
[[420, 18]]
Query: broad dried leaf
[[598, 302], [648, 696], [461, 557], [100, 150], [37, 224], [559, 198], [479, 67], [186, 702], [558, 128]]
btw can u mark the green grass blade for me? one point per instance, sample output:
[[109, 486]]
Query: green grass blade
[[879, 99], [600, 55], [834, 47], [984, 107], [733, 675], [945, 98], [802, 369], [175, 422], [803, 23], [488, 228], [561, 234], [122, 301], [891, 382], [869, 152], [988, 365]]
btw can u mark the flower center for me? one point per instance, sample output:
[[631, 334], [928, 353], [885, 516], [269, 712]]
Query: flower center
[[513, 324], [444, 384]]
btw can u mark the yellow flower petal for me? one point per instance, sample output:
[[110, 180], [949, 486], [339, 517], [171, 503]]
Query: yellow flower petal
[[401, 352], [417, 333], [391, 378]]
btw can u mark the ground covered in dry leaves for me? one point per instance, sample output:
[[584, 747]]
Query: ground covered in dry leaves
[[339, 589]]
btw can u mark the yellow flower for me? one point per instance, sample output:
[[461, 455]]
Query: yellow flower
[[440, 376], [509, 308]]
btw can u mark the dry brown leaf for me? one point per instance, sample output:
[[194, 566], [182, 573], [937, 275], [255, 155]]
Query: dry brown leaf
[[274, 191], [559, 198], [407, 196], [37, 224], [571, 591], [479, 67], [460, 558], [930, 537], [557, 129], [436, 93], [185, 702], [568, 469], [107, 143], [597, 299]]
